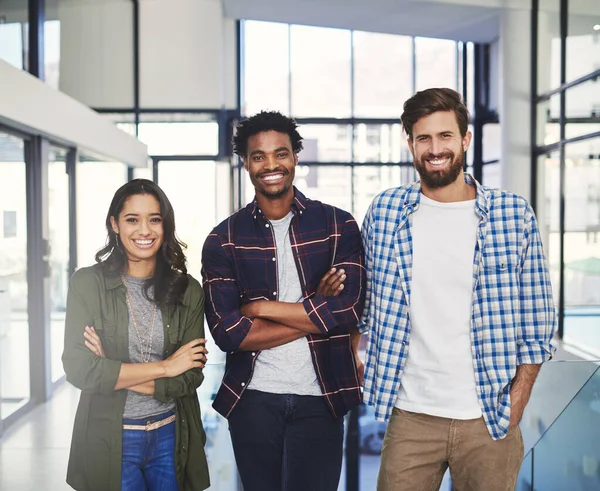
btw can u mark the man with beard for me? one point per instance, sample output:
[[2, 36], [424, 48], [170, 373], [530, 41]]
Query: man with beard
[[459, 311], [284, 280]]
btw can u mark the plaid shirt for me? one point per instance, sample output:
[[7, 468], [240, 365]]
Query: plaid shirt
[[240, 265], [513, 317]]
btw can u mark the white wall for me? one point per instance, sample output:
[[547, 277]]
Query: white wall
[[185, 48], [187, 54], [96, 52]]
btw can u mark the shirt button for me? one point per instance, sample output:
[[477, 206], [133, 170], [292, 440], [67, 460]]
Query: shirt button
[[274, 259], [243, 384], [300, 212], [267, 225], [274, 294], [253, 354]]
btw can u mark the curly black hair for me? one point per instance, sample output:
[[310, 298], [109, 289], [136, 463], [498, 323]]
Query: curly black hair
[[170, 277], [265, 121]]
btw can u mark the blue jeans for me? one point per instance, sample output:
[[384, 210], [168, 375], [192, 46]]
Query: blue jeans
[[149, 457], [286, 442]]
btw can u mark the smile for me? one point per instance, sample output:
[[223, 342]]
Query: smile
[[272, 178], [438, 162], [144, 243]]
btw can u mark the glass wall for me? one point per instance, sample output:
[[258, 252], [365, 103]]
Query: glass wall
[[14, 38], [59, 240], [567, 165], [14, 318]]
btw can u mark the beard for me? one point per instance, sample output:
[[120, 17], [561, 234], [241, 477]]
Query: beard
[[435, 179]]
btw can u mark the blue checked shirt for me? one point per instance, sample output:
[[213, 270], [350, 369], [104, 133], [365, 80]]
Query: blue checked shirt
[[513, 318], [239, 265]]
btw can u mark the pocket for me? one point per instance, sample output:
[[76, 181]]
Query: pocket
[[107, 331]]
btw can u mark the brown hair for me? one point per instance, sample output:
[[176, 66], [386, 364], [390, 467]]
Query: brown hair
[[430, 101]]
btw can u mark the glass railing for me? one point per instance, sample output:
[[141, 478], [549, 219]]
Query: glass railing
[[561, 429]]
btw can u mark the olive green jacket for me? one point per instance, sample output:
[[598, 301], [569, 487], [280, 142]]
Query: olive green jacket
[[97, 299]]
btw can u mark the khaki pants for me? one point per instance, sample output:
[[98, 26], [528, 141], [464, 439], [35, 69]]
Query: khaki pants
[[418, 448]]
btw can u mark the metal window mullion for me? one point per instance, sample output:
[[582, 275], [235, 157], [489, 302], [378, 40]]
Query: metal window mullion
[[562, 169]]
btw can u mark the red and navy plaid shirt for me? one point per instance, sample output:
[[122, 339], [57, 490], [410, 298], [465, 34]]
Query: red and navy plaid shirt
[[239, 265]]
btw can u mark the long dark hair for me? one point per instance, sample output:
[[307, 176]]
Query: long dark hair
[[170, 276]]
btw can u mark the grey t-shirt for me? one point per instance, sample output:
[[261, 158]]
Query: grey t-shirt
[[146, 346], [286, 369]]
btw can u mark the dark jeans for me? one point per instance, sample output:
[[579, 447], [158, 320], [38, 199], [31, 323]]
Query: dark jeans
[[285, 442], [149, 457]]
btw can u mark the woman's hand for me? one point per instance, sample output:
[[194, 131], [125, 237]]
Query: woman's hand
[[190, 355], [92, 341]]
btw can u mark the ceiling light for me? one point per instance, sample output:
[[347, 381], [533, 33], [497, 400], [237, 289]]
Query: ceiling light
[[597, 27]]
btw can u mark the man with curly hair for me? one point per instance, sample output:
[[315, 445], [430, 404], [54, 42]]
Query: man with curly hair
[[284, 279]]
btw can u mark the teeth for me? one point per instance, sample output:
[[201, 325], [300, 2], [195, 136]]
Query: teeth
[[438, 161], [144, 242], [272, 177]]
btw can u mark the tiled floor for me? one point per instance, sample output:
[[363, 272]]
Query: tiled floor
[[34, 453]]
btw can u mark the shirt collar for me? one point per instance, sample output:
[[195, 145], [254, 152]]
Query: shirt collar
[[482, 198], [299, 204], [113, 280]]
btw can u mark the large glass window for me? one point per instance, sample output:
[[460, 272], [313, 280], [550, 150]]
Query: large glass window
[[14, 318], [320, 72], [179, 134], [582, 244], [266, 67], [97, 181], [583, 108], [52, 52], [326, 143], [382, 143], [583, 39], [570, 169], [11, 44], [382, 74], [436, 61]]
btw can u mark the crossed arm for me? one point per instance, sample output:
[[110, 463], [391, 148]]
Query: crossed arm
[[140, 377], [88, 368], [277, 323]]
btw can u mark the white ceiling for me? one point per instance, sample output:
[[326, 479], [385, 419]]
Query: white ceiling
[[465, 20]]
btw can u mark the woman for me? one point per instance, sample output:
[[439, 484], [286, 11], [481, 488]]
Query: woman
[[134, 346]]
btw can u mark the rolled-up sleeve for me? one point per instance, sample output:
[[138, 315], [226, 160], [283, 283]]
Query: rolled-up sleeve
[[225, 320], [342, 312], [537, 319], [83, 369]]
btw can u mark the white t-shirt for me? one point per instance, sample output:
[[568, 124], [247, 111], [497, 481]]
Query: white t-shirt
[[439, 378]]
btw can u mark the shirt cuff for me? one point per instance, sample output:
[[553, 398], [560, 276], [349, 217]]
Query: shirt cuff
[[533, 353], [319, 313], [110, 375], [160, 390]]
